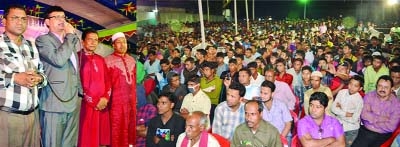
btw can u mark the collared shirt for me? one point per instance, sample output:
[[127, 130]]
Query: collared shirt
[[371, 77], [152, 68], [330, 127], [287, 78], [16, 59], [199, 102], [251, 92], [226, 120], [297, 78], [378, 115], [323, 89], [212, 88], [351, 104], [278, 115], [143, 117], [260, 79], [284, 94], [265, 136]]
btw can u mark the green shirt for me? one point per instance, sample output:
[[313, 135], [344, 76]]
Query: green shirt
[[265, 136], [212, 88], [140, 72], [371, 77]]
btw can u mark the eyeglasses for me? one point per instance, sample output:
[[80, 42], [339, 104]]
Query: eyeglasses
[[57, 17], [15, 18]]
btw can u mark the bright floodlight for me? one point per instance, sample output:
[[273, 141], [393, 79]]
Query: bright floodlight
[[392, 2], [303, 1]]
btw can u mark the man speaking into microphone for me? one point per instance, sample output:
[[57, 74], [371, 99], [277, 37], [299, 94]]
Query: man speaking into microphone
[[59, 103]]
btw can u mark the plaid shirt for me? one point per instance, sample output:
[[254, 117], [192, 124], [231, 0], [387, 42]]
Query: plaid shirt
[[143, 117], [225, 121], [17, 59]]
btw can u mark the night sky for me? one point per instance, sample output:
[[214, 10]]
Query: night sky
[[362, 9]]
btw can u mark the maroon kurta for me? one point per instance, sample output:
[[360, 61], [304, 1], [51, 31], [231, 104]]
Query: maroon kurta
[[122, 73], [94, 125]]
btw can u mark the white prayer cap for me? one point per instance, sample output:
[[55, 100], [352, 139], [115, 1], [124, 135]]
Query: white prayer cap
[[117, 35]]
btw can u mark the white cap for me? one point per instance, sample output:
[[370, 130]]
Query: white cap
[[317, 74], [117, 35], [376, 54]]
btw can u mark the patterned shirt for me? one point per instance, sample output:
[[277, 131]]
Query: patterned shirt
[[144, 115], [225, 120], [16, 59]]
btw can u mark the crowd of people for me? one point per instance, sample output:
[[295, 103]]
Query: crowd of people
[[57, 93], [274, 83]]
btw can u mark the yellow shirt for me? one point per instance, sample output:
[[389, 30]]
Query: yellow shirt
[[323, 89]]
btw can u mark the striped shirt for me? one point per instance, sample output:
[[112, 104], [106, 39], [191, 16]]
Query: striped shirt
[[16, 59], [225, 120]]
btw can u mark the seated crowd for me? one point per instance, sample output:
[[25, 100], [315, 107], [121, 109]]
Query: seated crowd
[[286, 86]]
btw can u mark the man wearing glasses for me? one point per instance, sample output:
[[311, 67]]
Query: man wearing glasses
[[317, 128], [59, 102], [21, 75]]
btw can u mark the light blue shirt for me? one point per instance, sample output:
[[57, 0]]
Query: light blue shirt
[[153, 68], [278, 115]]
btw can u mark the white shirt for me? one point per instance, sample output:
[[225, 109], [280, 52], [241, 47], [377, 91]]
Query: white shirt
[[349, 103], [260, 79], [212, 142], [252, 91]]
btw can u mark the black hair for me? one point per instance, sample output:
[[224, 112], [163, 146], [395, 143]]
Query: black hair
[[237, 86], [202, 52], [246, 70], [220, 54], [268, 84], [321, 97], [176, 61], [241, 56], [88, 31], [234, 61], [190, 59], [151, 52], [259, 103], [13, 6], [164, 61], [194, 79], [386, 78], [395, 69], [299, 60], [359, 79], [173, 74], [52, 9], [280, 60], [252, 65], [169, 95], [379, 57], [209, 64]]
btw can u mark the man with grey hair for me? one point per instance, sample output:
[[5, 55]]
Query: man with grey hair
[[196, 134]]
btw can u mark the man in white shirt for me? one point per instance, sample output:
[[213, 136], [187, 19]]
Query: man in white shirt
[[252, 91], [195, 134], [255, 78], [347, 108]]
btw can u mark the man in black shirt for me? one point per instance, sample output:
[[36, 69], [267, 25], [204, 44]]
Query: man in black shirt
[[164, 129]]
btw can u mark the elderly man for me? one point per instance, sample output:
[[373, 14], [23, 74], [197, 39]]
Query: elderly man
[[59, 100], [94, 122], [380, 115], [21, 75], [255, 131], [123, 97], [319, 129], [196, 134], [316, 77]]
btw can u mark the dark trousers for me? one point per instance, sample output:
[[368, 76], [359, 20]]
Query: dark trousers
[[367, 138]]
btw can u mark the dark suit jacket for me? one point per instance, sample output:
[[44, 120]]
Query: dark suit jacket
[[61, 93]]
